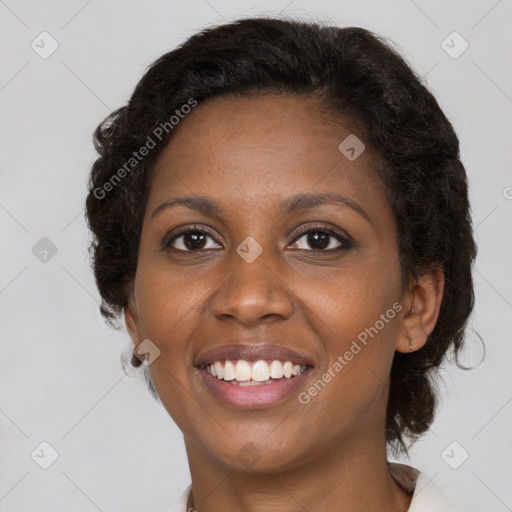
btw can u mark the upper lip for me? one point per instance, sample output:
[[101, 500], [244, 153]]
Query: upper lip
[[250, 351]]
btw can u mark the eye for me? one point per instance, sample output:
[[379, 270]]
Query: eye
[[321, 238], [189, 240]]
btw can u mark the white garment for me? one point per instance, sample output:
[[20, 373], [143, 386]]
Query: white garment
[[426, 497]]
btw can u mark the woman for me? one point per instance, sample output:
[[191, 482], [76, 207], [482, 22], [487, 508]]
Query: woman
[[281, 216]]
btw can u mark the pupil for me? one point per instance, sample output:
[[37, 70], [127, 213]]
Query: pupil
[[316, 239], [194, 237], [313, 239]]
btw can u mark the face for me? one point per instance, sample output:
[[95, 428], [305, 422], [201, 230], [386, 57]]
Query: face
[[316, 275]]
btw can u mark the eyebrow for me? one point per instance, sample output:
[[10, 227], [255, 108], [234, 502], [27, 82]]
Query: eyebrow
[[290, 205]]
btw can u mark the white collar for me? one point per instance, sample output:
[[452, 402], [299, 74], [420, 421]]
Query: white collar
[[426, 497]]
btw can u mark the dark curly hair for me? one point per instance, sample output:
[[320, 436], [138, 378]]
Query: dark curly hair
[[355, 74]]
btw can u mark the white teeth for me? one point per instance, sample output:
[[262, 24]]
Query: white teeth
[[243, 371], [243, 374], [276, 370], [249, 383], [219, 369], [260, 371], [229, 371], [287, 367]]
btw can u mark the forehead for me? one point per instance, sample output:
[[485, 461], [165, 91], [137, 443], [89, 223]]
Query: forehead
[[263, 149]]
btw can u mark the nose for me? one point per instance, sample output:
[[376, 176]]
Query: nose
[[252, 292]]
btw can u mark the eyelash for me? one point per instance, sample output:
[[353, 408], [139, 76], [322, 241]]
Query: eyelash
[[345, 242]]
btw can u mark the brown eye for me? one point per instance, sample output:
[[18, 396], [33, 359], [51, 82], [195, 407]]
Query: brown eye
[[321, 239], [190, 240]]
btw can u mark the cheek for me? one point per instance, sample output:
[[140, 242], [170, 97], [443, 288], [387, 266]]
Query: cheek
[[356, 318], [356, 325], [353, 297], [168, 313], [167, 306], [166, 298]]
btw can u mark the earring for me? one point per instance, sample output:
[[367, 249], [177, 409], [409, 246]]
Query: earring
[[135, 362]]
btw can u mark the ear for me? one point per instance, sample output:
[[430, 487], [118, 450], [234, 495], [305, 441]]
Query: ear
[[421, 311], [131, 318]]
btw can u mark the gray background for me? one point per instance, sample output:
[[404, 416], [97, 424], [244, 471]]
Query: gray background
[[60, 371]]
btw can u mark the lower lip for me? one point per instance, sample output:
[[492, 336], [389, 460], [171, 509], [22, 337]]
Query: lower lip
[[253, 397]]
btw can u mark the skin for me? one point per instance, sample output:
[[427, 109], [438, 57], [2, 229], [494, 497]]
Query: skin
[[250, 154]]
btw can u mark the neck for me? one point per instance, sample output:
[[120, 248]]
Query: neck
[[351, 476]]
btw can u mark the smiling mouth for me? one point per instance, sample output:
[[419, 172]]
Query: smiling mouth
[[239, 372]]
